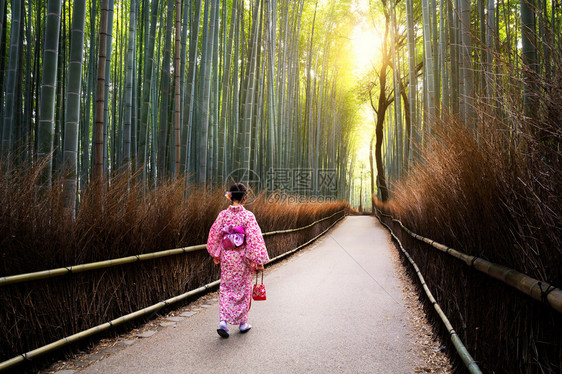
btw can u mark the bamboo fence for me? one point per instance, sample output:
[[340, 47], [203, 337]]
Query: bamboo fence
[[27, 277], [469, 362], [99, 328], [153, 308], [538, 290]]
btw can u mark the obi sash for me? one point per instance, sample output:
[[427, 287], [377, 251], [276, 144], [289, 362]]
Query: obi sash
[[233, 237]]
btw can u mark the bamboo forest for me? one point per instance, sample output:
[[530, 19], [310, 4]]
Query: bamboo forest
[[123, 124]]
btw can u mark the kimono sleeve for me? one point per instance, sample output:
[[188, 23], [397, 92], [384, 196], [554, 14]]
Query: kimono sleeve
[[255, 246], [213, 242]]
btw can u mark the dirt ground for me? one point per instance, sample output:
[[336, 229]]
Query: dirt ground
[[431, 349]]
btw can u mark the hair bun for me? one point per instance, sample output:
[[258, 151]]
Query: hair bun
[[238, 191]]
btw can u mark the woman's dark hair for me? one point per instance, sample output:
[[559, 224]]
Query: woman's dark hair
[[238, 191]]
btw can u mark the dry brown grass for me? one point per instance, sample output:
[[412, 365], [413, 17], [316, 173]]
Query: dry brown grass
[[496, 195], [38, 234]]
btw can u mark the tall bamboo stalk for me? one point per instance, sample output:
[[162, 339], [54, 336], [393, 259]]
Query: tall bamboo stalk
[[46, 125], [107, 81], [129, 77], [452, 19], [223, 154], [466, 62], [250, 86], [214, 140], [177, 104], [73, 93], [206, 74], [428, 62], [165, 86], [2, 16], [98, 170], [187, 150], [528, 52], [146, 90], [491, 36], [85, 169], [413, 86], [10, 110], [183, 94], [271, 100], [27, 142], [59, 99]]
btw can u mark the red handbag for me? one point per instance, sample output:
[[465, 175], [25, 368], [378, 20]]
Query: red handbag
[[258, 293]]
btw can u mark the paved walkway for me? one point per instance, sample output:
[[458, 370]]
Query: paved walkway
[[335, 307]]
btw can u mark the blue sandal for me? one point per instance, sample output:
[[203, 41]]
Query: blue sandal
[[245, 327], [223, 330]]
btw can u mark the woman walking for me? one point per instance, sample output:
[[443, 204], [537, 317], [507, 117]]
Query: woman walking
[[236, 242]]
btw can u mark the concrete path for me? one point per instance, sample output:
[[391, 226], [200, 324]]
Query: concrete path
[[335, 307]]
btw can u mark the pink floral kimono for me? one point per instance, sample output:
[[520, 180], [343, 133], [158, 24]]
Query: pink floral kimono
[[236, 273]]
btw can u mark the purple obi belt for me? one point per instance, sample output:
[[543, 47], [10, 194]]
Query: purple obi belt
[[233, 237]]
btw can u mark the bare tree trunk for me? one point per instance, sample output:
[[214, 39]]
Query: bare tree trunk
[[372, 166], [380, 110]]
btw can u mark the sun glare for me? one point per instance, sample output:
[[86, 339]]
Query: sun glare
[[366, 44]]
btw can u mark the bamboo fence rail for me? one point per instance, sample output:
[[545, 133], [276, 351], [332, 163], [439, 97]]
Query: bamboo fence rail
[[469, 362], [301, 228], [27, 277], [308, 242], [95, 265], [538, 290], [128, 317], [104, 326]]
